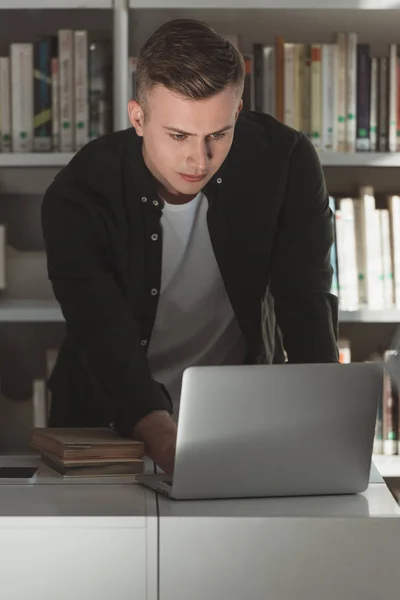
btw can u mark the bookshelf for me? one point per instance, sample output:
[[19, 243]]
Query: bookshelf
[[328, 159], [129, 23], [268, 4], [19, 311], [56, 4], [33, 159], [360, 159], [365, 315]]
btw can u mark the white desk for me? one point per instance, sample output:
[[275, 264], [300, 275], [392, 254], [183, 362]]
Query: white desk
[[328, 548], [63, 540], [86, 541]]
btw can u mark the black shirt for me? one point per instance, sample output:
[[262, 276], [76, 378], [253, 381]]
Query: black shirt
[[271, 229]]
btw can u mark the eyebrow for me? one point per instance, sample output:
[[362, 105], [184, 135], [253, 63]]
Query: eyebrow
[[176, 130]]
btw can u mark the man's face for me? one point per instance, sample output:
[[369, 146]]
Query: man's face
[[185, 141]]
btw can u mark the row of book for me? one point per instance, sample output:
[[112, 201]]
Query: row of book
[[366, 252], [387, 429], [56, 93], [340, 95]]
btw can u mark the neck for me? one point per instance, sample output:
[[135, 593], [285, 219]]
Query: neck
[[174, 198]]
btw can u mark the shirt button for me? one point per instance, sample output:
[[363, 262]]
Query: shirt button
[[154, 292], [144, 199], [219, 180], [154, 237], [155, 202], [143, 342]]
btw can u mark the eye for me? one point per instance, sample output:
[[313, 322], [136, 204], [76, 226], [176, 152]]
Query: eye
[[218, 136], [178, 137]]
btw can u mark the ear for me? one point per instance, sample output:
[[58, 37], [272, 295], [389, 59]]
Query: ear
[[239, 108], [136, 116]]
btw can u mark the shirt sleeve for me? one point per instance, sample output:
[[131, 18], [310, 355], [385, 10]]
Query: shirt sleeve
[[301, 271], [98, 318]]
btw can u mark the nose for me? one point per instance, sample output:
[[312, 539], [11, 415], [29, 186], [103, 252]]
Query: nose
[[199, 157]]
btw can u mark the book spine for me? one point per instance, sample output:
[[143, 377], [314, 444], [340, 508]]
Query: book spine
[[55, 104], [363, 98], [362, 275], [374, 273], [316, 95], [3, 261], [289, 96], [383, 104], [390, 415], [248, 92], [5, 104], [392, 99], [387, 267], [65, 55], [42, 96], [348, 254], [398, 99], [258, 77], [268, 105], [81, 112], [378, 437], [22, 103], [394, 218], [344, 351], [279, 78], [305, 89], [373, 123], [328, 68], [342, 92], [296, 86], [39, 403], [351, 92]]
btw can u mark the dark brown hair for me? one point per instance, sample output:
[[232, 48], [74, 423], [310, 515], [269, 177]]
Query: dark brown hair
[[188, 57]]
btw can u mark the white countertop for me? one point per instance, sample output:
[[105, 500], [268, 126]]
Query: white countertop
[[98, 498], [52, 496]]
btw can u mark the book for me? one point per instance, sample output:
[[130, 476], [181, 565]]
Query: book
[[93, 469], [87, 442]]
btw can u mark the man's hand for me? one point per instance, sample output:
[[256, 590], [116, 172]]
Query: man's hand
[[158, 433]]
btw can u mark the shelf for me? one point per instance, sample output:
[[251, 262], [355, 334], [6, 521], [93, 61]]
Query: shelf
[[276, 4], [328, 159], [388, 466], [365, 315], [55, 4], [34, 311], [34, 159], [360, 159]]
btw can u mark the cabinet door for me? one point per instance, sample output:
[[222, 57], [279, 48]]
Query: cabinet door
[[73, 562]]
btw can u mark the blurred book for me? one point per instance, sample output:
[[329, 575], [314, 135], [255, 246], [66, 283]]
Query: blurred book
[[85, 443], [93, 468]]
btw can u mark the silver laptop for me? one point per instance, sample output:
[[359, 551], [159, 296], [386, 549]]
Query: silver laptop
[[273, 430]]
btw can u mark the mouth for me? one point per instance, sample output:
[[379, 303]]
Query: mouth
[[193, 178]]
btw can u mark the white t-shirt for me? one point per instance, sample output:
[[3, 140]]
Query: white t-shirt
[[195, 323]]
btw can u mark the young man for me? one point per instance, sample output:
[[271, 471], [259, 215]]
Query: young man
[[200, 236]]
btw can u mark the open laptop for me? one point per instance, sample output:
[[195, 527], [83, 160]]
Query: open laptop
[[273, 430]]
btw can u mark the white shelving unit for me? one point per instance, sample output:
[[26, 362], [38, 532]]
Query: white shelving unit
[[360, 159], [39, 159], [30, 311], [333, 159], [271, 4], [56, 4], [365, 315]]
